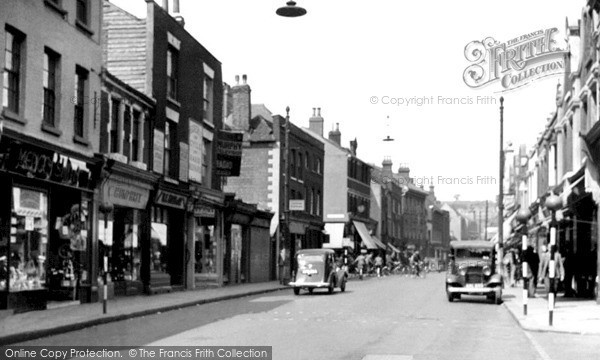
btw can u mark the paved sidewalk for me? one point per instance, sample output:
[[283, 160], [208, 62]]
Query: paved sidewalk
[[35, 324], [575, 316]]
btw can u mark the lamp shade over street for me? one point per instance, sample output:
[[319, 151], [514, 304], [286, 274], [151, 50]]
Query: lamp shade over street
[[291, 10], [554, 202], [523, 216]]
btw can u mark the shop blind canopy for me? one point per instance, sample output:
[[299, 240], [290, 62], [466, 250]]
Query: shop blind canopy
[[394, 249], [365, 236]]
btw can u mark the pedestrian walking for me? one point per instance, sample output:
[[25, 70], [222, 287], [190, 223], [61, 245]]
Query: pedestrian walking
[[378, 264], [509, 268], [415, 261], [544, 273], [533, 263], [360, 263]]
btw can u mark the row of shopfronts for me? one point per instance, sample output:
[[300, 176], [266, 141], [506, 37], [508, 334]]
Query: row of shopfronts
[[56, 232], [577, 229]]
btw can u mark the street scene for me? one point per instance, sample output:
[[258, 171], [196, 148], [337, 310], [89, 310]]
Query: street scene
[[412, 321], [300, 179]]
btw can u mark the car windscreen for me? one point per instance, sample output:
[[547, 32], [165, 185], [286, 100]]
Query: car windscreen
[[472, 253]]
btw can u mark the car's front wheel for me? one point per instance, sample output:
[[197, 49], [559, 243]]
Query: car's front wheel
[[343, 286], [450, 297], [296, 291]]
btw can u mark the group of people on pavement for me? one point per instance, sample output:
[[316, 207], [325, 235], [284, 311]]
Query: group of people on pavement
[[538, 268]]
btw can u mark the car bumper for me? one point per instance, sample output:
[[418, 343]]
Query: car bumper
[[309, 284], [474, 290]]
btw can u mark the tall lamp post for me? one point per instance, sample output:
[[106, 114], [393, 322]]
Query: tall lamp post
[[501, 191], [523, 217], [290, 10], [286, 243], [553, 203]]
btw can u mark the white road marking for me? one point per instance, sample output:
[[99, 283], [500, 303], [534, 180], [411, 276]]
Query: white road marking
[[540, 350]]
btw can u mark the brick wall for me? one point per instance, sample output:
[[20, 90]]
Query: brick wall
[[252, 186], [44, 26]]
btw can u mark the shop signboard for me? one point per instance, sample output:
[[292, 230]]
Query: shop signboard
[[126, 195], [204, 211], [170, 199], [36, 162], [229, 153]]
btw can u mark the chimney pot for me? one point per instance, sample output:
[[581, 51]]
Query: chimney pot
[[244, 78], [175, 6], [165, 5], [337, 126], [319, 112], [237, 79], [314, 111]]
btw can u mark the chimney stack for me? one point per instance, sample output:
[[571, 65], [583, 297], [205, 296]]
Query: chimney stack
[[316, 122], [227, 101], [336, 135], [241, 104], [353, 146], [404, 172], [177, 14], [165, 5], [387, 167]]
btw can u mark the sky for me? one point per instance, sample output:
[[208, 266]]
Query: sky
[[351, 58]]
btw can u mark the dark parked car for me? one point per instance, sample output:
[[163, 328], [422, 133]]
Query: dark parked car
[[472, 271], [316, 268]]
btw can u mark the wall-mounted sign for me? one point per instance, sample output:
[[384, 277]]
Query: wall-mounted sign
[[169, 199], [159, 152], [296, 205], [229, 153], [126, 195], [195, 157], [184, 153]]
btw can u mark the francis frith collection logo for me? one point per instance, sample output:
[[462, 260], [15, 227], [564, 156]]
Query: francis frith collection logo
[[514, 63]]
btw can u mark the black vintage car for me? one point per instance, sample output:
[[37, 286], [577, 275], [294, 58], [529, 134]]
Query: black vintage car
[[472, 271], [316, 268]]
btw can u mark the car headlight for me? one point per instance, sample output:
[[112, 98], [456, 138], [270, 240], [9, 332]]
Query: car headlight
[[462, 270], [487, 271]]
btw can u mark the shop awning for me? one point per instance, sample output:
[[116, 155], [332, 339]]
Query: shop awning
[[364, 235], [378, 242], [394, 249]]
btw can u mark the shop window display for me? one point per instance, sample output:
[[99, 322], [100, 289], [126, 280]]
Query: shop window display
[[67, 266], [28, 240], [205, 250], [158, 240], [120, 243]]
